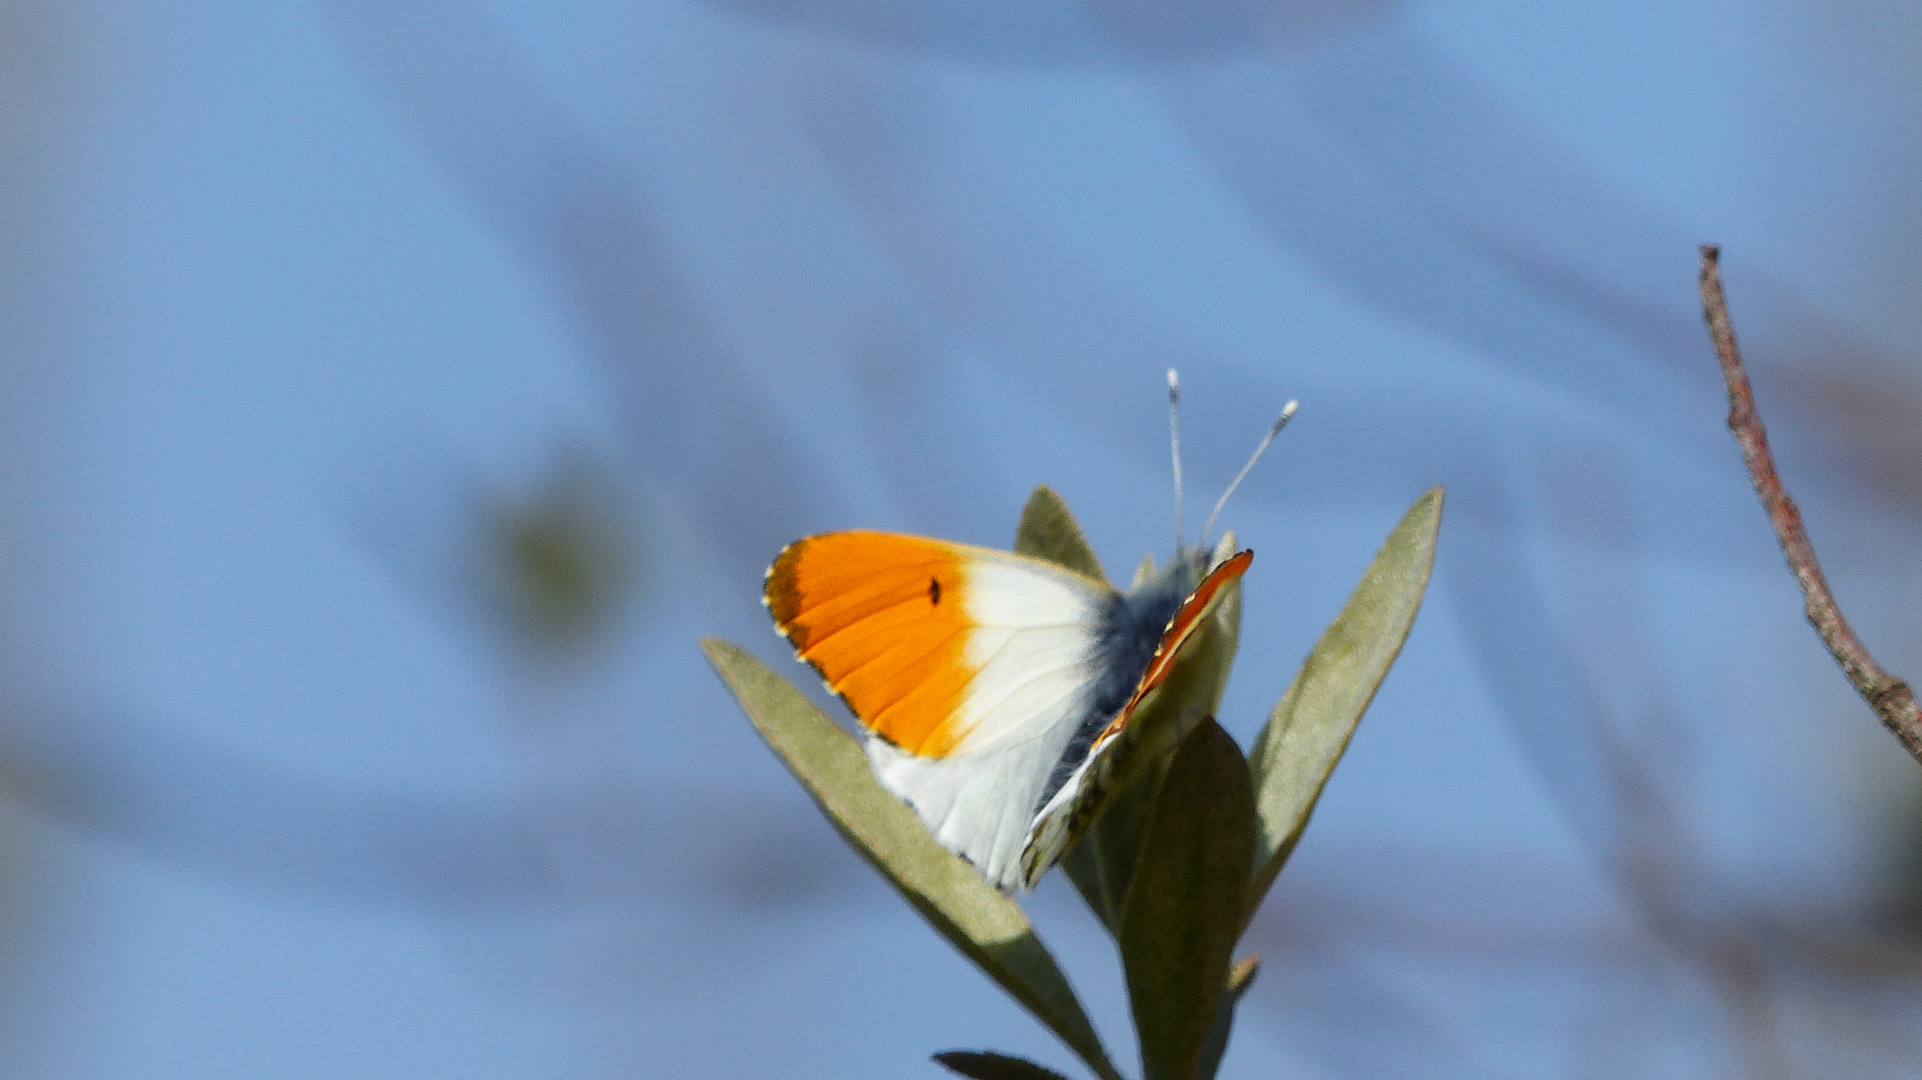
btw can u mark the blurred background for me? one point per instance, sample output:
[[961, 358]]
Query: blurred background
[[392, 393]]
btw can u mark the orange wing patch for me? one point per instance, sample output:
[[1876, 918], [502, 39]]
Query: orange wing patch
[[880, 617]]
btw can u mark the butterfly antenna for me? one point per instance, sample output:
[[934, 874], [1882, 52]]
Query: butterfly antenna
[[1274, 429], [1174, 443]]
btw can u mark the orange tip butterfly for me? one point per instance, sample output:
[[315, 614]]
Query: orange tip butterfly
[[994, 687]]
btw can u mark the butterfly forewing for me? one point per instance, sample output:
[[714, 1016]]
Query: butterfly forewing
[[938, 648]]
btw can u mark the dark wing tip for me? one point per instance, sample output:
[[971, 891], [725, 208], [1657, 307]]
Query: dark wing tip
[[781, 594]]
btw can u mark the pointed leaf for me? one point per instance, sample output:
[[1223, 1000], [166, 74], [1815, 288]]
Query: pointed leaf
[[988, 1065], [1143, 572], [1083, 867], [1309, 730], [985, 925], [1184, 909], [1240, 977], [1048, 531], [1226, 631]]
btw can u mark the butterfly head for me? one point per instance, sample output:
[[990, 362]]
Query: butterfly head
[[1186, 569]]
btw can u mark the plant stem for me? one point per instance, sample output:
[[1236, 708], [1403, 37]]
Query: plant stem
[[1889, 696]]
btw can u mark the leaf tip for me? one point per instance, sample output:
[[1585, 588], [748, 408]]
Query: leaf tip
[[1242, 975], [720, 652]]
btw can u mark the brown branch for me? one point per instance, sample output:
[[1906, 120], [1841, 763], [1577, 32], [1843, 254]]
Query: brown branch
[[1889, 696]]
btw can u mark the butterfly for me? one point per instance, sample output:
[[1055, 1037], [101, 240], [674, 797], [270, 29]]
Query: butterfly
[[997, 690]]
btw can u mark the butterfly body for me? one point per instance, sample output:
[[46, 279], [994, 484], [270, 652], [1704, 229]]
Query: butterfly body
[[994, 687]]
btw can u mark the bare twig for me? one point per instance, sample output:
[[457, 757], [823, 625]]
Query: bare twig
[[1889, 696]]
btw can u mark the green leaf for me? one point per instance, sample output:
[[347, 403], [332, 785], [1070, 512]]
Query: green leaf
[[1308, 731], [1240, 977], [1217, 650], [1143, 572], [1048, 531], [985, 925], [1102, 863], [1185, 907], [988, 1065]]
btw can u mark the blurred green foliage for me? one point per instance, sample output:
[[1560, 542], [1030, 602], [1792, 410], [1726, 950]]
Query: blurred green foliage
[[561, 562]]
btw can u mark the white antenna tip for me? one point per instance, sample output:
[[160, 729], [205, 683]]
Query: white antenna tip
[[1174, 383], [1287, 411], [1281, 421]]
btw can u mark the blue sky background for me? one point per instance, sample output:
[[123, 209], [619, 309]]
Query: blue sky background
[[306, 304]]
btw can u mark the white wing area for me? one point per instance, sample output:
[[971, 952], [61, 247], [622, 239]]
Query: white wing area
[[1033, 651], [978, 806]]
